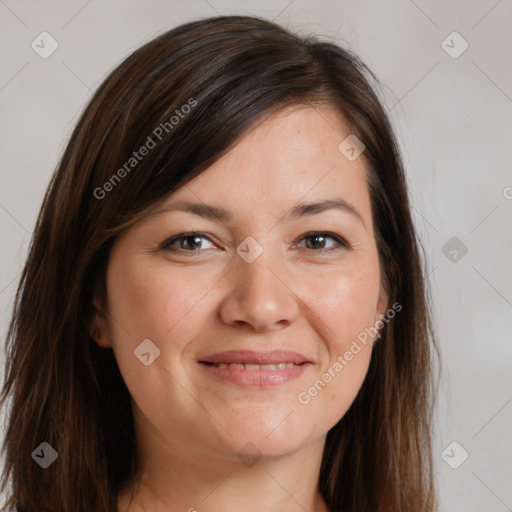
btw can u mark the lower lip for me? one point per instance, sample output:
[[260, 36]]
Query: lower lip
[[256, 378]]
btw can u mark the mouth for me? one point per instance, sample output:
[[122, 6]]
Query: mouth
[[252, 366], [251, 357], [252, 369]]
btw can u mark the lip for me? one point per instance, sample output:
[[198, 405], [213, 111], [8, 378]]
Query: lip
[[259, 378], [256, 379]]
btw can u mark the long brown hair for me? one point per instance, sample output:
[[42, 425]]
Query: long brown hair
[[63, 389]]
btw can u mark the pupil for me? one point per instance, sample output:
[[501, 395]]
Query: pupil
[[195, 238], [316, 237]]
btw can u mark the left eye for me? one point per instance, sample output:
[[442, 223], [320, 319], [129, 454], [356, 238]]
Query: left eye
[[193, 241], [322, 236]]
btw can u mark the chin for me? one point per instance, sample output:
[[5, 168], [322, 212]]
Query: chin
[[267, 434], [249, 449]]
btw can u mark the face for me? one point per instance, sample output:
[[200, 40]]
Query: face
[[242, 332]]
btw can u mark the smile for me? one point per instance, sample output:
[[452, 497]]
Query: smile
[[251, 366]]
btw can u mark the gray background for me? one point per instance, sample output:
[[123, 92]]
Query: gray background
[[452, 117]]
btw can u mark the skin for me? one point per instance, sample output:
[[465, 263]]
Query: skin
[[189, 424]]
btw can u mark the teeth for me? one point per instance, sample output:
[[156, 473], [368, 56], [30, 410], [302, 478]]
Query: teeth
[[251, 366]]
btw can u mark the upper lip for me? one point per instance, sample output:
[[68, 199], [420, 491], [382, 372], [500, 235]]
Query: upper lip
[[254, 357]]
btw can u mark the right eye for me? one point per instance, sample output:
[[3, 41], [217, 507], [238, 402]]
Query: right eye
[[191, 240]]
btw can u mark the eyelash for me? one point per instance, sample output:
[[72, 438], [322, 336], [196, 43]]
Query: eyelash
[[341, 243]]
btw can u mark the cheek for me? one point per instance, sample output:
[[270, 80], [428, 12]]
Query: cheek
[[153, 302], [345, 302], [345, 307]]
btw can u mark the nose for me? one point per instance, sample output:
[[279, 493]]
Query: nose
[[260, 296]]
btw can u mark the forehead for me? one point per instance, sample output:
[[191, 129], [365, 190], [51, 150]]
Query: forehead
[[290, 156]]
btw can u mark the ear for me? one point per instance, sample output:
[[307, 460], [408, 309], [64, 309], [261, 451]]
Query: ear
[[100, 325], [382, 303]]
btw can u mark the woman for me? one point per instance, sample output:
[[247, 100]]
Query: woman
[[223, 305]]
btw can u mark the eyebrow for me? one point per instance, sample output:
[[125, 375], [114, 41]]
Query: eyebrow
[[298, 211]]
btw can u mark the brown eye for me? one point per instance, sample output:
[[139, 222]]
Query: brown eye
[[188, 242], [320, 241], [194, 242]]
